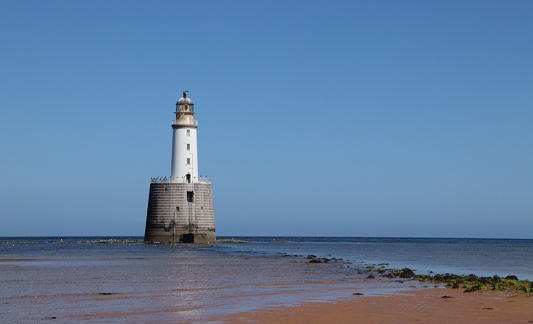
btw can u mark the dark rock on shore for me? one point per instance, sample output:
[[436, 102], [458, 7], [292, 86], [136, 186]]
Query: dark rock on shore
[[474, 288], [407, 273], [472, 277], [319, 260]]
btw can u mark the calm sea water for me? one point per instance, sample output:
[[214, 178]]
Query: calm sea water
[[78, 278], [483, 257]]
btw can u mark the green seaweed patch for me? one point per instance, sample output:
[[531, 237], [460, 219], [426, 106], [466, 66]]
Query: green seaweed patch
[[472, 283]]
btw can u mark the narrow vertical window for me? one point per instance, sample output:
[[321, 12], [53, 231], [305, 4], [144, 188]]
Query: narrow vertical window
[[188, 147], [188, 132], [188, 161]]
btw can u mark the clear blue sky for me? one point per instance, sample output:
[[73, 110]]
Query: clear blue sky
[[317, 118]]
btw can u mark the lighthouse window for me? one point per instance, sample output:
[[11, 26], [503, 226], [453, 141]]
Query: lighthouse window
[[188, 147], [188, 161], [190, 196], [188, 132]]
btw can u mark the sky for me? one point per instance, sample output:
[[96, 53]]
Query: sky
[[316, 118]]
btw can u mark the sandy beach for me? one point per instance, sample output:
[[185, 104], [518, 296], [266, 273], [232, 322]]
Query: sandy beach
[[433, 305]]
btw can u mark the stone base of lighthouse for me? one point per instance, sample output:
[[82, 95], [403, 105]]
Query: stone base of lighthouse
[[180, 213]]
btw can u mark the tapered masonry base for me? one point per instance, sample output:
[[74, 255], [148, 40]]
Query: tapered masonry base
[[180, 213]]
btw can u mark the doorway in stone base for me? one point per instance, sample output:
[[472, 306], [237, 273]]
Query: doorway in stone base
[[188, 178], [188, 238]]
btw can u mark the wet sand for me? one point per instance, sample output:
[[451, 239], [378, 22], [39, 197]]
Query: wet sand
[[141, 283], [421, 306]]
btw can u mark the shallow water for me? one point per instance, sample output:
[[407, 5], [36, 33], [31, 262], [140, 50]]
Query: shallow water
[[79, 279], [144, 282], [483, 257]]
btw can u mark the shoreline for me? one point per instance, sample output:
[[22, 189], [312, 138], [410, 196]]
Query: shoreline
[[439, 298], [251, 282], [438, 305]]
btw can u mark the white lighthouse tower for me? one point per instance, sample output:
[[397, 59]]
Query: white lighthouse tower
[[180, 208], [184, 167]]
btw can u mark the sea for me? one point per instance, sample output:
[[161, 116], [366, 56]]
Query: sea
[[122, 279]]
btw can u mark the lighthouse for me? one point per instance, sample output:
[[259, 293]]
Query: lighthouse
[[180, 208]]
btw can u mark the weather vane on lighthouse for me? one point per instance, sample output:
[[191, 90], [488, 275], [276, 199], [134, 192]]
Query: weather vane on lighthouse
[[180, 209]]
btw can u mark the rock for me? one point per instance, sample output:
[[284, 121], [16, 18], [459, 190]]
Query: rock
[[311, 256], [446, 297], [472, 277], [357, 294], [407, 273], [512, 277], [485, 280], [472, 289], [319, 260], [371, 277]]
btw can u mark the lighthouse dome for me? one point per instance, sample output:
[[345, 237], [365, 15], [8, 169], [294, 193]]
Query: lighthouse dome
[[184, 101]]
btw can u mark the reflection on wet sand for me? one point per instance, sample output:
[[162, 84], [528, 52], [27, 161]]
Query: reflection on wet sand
[[142, 283]]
